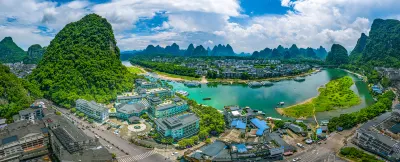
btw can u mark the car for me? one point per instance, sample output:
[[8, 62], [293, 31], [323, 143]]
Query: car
[[296, 159], [175, 152]]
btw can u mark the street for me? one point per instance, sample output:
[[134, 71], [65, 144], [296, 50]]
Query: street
[[125, 152]]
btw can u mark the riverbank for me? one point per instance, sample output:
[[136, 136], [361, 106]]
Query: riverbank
[[204, 80], [281, 110], [336, 94]]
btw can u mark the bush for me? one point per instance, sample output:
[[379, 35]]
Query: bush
[[58, 113], [358, 155], [347, 121]]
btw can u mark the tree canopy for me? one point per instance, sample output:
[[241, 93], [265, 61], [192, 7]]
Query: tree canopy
[[82, 61], [15, 93], [338, 55], [10, 52]]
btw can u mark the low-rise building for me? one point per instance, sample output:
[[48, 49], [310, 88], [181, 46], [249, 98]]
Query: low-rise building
[[126, 98], [69, 143], [295, 128], [178, 127], [31, 114], [169, 108], [22, 140], [93, 110], [376, 136], [145, 84], [125, 111]]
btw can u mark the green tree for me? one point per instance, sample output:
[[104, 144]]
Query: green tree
[[203, 134], [82, 61], [81, 115], [73, 110], [58, 113], [208, 141], [195, 139]]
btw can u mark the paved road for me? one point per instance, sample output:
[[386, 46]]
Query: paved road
[[125, 151]]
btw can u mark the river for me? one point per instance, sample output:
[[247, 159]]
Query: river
[[266, 98]]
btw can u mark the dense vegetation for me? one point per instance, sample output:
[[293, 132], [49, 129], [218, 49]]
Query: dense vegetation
[[211, 123], [337, 56], [82, 61], [35, 54], [290, 53], [10, 52], [383, 45], [335, 94], [171, 68], [356, 53], [358, 155], [15, 93], [347, 121]]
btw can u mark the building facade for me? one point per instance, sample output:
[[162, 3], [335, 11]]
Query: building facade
[[93, 110], [178, 127], [22, 140], [168, 108]]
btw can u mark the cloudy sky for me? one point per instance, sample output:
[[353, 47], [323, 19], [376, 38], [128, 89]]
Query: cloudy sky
[[247, 25]]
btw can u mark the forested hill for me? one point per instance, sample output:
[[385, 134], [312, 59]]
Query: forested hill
[[383, 45], [35, 54], [291, 53], [10, 52], [222, 50], [82, 61], [356, 54], [337, 56], [15, 93]]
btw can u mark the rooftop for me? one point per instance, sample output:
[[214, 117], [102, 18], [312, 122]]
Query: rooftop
[[20, 129], [176, 122], [92, 104], [131, 108]]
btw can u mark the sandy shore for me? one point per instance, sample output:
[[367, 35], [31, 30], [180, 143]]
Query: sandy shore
[[281, 112]]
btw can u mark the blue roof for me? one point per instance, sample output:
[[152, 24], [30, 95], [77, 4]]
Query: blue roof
[[260, 124], [241, 148], [319, 131], [238, 124]]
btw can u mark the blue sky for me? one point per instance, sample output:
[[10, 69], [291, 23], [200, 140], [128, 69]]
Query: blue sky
[[247, 25]]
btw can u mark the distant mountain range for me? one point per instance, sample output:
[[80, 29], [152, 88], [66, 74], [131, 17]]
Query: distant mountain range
[[290, 53]]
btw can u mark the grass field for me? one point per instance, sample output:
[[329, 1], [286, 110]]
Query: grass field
[[336, 94], [135, 70]]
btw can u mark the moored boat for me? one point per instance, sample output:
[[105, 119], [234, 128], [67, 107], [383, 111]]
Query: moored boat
[[299, 79]]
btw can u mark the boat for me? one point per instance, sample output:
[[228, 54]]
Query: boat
[[183, 93], [255, 84], [281, 103], [267, 83], [207, 98], [299, 79], [192, 84]]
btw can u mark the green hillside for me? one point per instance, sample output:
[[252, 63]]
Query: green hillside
[[10, 52], [15, 93], [82, 61]]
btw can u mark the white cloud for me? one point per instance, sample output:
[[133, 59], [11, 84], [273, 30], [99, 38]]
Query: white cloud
[[307, 23], [24, 36]]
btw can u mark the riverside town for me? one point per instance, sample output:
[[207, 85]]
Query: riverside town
[[199, 81]]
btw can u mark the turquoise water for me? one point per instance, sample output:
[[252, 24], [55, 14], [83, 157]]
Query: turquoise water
[[266, 98]]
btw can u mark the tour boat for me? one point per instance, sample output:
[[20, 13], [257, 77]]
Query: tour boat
[[299, 79]]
